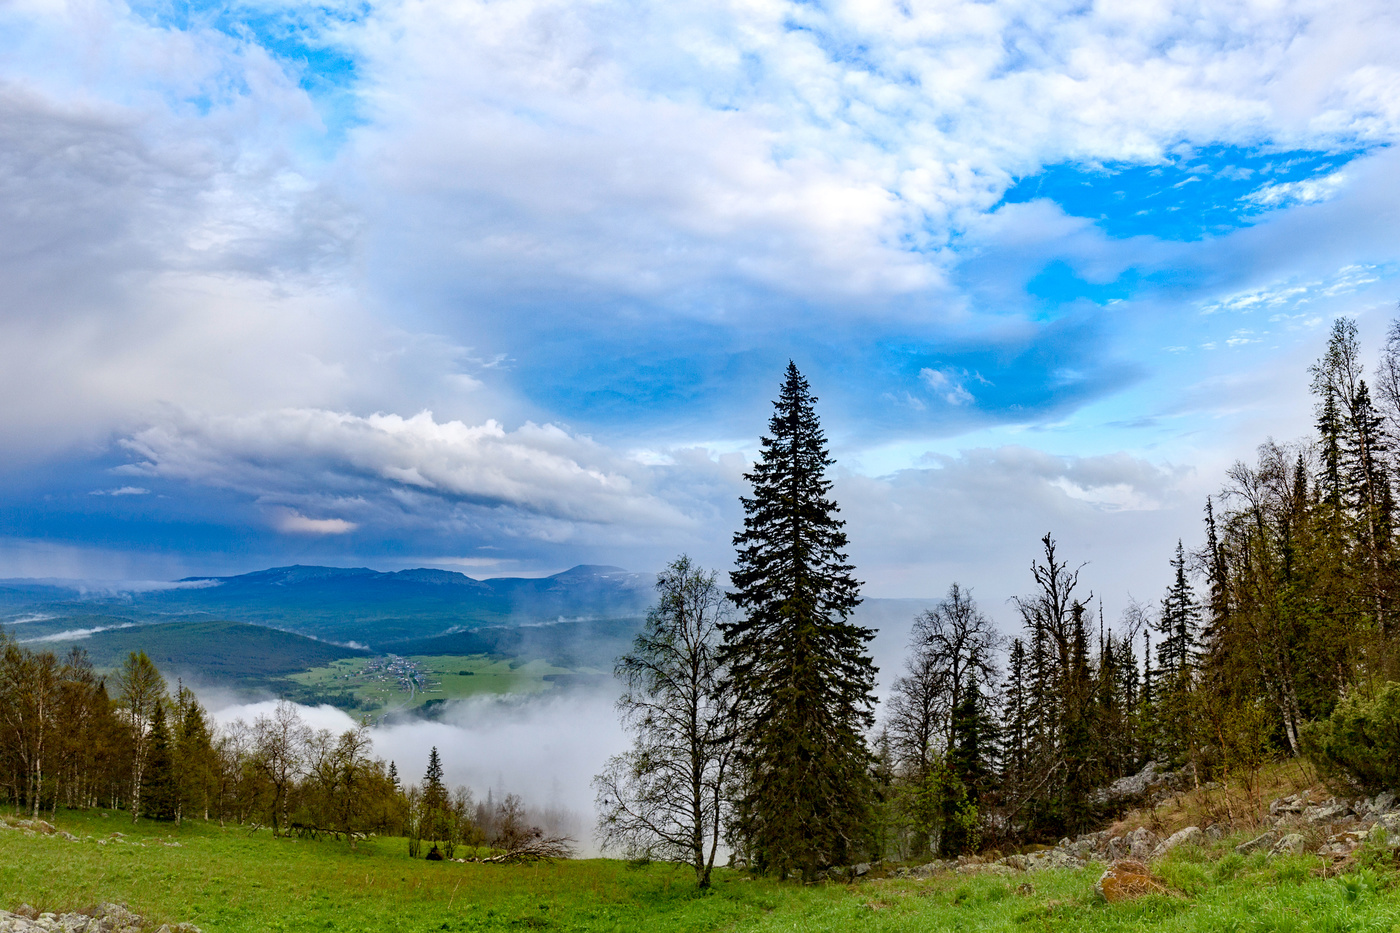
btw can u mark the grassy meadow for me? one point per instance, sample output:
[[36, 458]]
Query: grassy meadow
[[224, 879], [449, 677]]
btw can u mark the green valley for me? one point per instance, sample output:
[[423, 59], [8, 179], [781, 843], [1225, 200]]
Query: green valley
[[393, 682]]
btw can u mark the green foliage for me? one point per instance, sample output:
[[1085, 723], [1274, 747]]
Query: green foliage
[[160, 791], [1359, 744], [798, 666], [222, 652]]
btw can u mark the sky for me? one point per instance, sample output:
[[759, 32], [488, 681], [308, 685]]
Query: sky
[[508, 286]]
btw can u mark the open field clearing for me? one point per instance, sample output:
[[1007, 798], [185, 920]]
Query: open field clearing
[[224, 879], [409, 682]]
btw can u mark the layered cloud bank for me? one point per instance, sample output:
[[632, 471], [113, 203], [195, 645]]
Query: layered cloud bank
[[509, 285]]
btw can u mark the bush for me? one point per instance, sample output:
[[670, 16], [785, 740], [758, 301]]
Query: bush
[[1359, 744]]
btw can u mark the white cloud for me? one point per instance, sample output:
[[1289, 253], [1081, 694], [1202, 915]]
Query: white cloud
[[977, 518], [947, 385], [1308, 191], [75, 634], [313, 461], [293, 522]]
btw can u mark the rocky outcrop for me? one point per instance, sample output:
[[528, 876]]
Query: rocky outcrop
[[107, 918], [1342, 825], [1332, 828], [1147, 786]]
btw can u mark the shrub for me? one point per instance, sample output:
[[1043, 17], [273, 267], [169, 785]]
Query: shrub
[[1359, 744]]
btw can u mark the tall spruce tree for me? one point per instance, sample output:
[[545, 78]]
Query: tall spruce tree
[[802, 680]]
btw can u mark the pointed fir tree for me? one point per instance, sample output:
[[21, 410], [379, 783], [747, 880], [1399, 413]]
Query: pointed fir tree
[[435, 799], [1217, 576], [194, 756], [1329, 430], [798, 667], [1016, 713], [160, 792], [1179, 623], [1081, 756]]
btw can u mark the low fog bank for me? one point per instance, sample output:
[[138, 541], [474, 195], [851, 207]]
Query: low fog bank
[[892, 620], [544, 748]]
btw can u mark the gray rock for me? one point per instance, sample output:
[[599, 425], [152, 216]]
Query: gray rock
[[1388, 825], [1335, 850], [1133, 786], [935, 867], [1291, 844], [857, 870], [1384, 802], [984, 869], [1259, 842], [1052, 859], [1190, 836], [1327, 813], [1292, 804], [1141, 842]]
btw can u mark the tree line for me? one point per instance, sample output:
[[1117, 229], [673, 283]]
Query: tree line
[[67, 741], [752, 710]]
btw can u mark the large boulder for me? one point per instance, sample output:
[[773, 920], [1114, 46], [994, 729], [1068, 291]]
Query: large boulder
[[1264, 841], [1291, 844], [1127, 879], [1141, 843], [1190, 836], [1133, 787]]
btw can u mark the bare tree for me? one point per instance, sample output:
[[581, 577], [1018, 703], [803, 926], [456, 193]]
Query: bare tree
[[280, 742], [1388, 376], [663, 799], [519, 841], [951, 646]]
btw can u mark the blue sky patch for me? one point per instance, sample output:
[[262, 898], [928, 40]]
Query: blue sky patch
[[1189, 197], [300, 38]]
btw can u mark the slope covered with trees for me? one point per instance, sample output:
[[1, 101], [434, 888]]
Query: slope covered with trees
[[1293, 649]]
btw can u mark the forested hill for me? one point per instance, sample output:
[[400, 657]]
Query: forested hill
[[339, 604]]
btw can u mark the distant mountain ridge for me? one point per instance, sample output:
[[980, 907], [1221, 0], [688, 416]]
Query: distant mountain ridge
[[344, 604]]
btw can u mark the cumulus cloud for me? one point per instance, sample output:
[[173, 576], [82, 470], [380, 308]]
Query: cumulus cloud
[[829, 150], [313, 461], [594, 221], [296, 523]]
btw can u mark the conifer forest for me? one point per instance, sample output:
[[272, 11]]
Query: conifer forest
[[750, 698]]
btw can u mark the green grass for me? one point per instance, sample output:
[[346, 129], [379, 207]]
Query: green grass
[[447, 679], [227, 880]]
